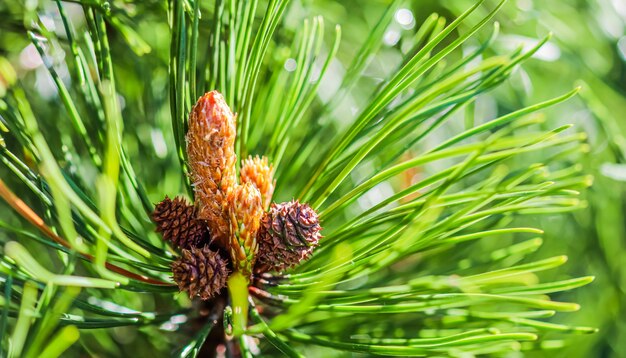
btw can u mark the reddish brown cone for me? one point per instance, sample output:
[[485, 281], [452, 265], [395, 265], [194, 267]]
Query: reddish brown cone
[[177, 223], [212, 159], [288, 234], [245, 215], [200, 272], [258, 172]]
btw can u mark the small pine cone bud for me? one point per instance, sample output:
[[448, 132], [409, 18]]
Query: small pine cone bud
[[288, 234], [245, 216], [212, 160], [177, 223], [261, 174], [200, 272]]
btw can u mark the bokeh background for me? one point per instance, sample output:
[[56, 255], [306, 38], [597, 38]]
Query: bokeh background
[[587, 49]]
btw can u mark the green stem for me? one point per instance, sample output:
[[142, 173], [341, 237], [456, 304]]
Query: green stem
[[238, 290], [67, 336], [24, 319], [27, 262]]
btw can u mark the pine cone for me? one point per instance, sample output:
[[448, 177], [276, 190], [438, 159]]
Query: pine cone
[[200, 272], [288, 234], [176, 221], [212, 159], [245, 216], [260, 173]]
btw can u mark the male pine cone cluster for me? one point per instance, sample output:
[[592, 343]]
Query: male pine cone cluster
[[229, 217]]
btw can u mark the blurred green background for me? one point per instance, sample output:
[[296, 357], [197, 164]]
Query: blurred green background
[[588, 49]]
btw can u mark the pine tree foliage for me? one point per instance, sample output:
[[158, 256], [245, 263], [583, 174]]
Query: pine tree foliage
[[407, 182]]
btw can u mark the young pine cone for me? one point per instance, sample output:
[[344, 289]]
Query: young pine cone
[[245, 215], [260, 173], [288, 234], [177, 223], [200, 272], [212, 159]]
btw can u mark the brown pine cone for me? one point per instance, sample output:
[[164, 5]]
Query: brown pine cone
[[212, 160], [288, 234], [200, 272], [177, 223]]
